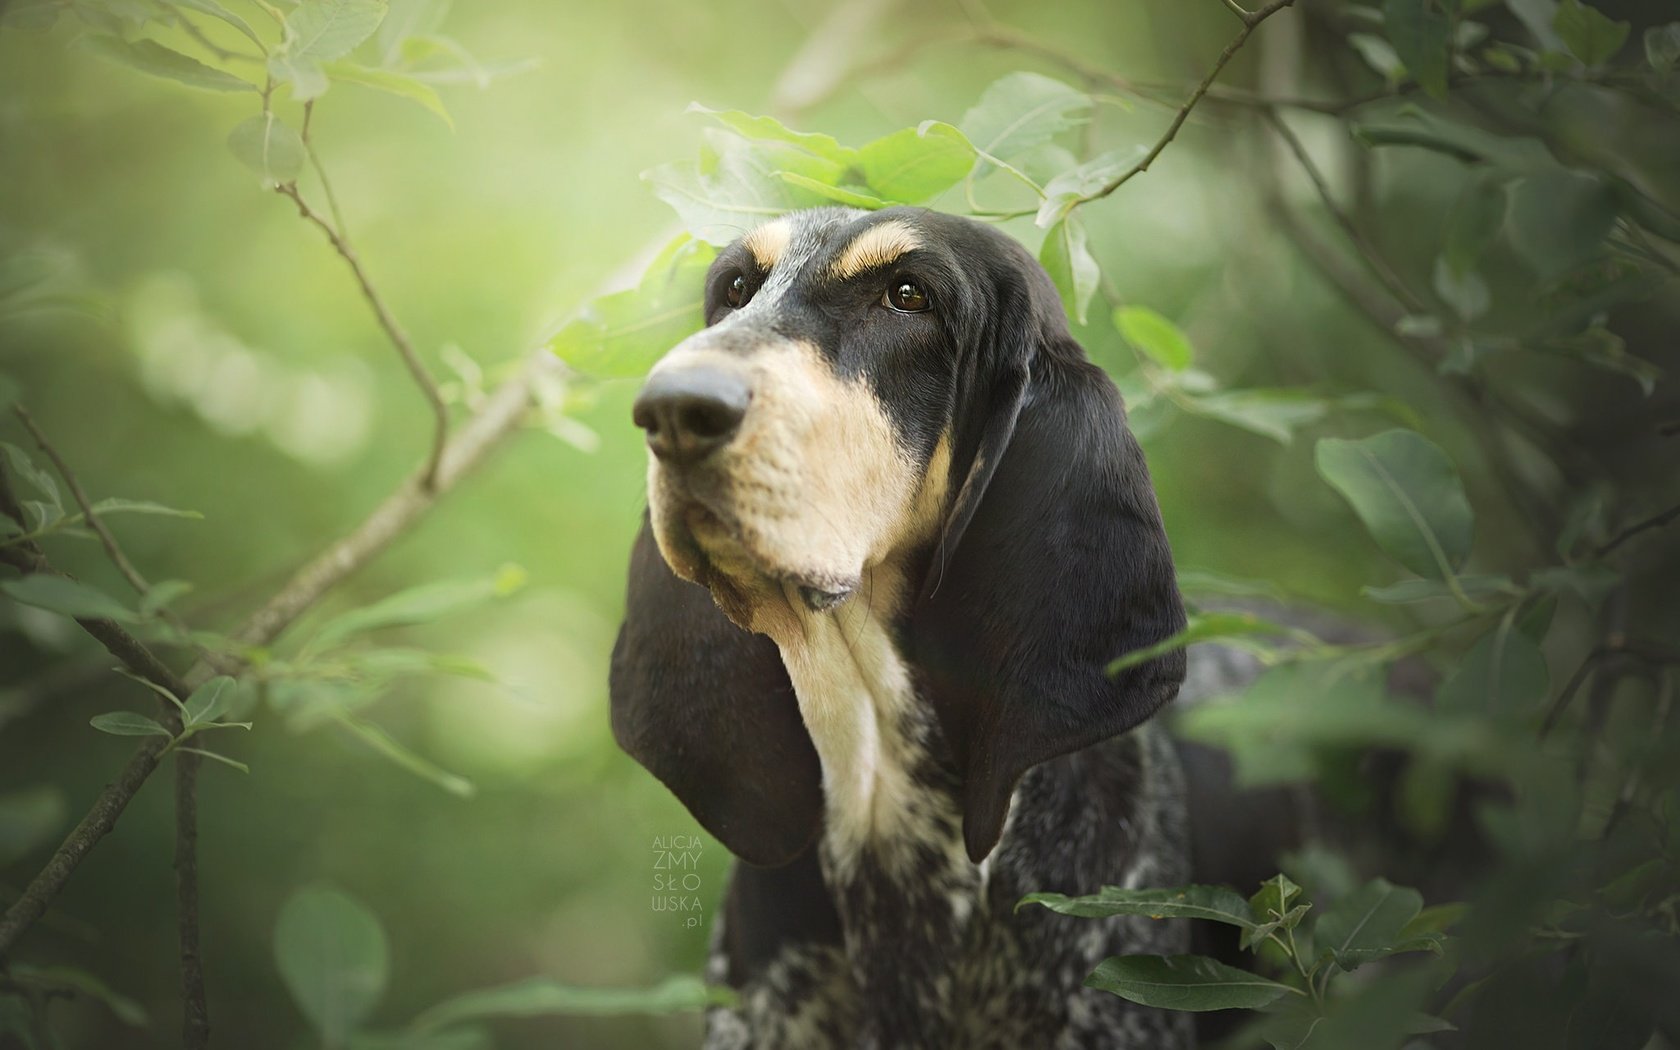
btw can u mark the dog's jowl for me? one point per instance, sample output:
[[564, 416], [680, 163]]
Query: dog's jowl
[[897, 531]]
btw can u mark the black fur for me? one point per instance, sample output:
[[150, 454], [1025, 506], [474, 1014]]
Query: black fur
[[1051, 562]]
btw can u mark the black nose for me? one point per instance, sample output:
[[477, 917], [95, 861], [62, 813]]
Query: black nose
[[688, 412]]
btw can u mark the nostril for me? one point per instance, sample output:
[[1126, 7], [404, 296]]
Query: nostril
[[689, 412], [709, 419]]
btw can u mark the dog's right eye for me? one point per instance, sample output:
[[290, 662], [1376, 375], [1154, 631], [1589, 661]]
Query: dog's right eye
[[736, 293]]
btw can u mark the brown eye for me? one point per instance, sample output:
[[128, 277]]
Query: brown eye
[[906, 296], [737, 291]]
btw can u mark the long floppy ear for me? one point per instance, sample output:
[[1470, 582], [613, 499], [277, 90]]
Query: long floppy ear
[[709, 710], [1063, 566]]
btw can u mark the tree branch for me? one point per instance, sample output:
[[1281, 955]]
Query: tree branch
[[195, 1007], [1368, 252], [196, 1020], [496, 418], [1251, 19], [1655, 521], [102, 817], [393, 331]]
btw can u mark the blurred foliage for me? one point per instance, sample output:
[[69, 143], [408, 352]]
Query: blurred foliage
[[1427, 252]]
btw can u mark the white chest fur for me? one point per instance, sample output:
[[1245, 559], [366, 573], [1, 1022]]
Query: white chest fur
[[858, 703]]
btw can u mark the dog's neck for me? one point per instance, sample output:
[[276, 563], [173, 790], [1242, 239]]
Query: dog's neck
[[886, 783]]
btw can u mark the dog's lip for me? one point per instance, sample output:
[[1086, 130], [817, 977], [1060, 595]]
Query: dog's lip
[[818, 592]]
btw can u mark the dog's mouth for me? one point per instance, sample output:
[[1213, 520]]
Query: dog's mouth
[[724, 559]]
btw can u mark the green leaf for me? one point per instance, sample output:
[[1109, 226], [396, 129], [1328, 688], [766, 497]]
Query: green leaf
[[1368, 920], [1208, 627], [1274, 909], [1466, 292], [473, 1038], [19, 463], [1277, 727], [333, 958], [423, 604], [308, 80], [1589, 35], [1021, 111], [1602, 348], [1275, 413], [736, 185], [268, 146], [1413, 126], [1590, 582], [1407, 493], [1473, 223], [1420, 35], [215, 10], [318, 30], [118, 505], [153, 59], [406, 20], [161, 595], [1662, 47], [211, 700], [916, 164], [387, 746], [1214, 903], [1185, 982], [128, 723], [1201, 581], [1154, 336], [82, 983], [1536, 17], [30, 817], [1477, 588], [402, 85], [1437, 918], [216, 757], [1504, 673], [1075, 185], [68, 597], [9, 389], [623, 334], [1558, 218], [1066, 255], [1379, 54], [545, 997], [772, 130], [838, 194]]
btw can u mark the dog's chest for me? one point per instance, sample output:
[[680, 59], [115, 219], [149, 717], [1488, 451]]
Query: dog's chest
[[889, 791]]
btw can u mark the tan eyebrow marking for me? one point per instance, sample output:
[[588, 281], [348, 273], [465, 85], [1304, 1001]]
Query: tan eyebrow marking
[[768, 243], [876, 246]]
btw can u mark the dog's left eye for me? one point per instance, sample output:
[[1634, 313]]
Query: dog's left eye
[[736, 293], [905, 296]]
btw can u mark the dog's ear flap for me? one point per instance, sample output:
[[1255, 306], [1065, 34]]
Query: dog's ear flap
[[709, 710], [1063, 567]]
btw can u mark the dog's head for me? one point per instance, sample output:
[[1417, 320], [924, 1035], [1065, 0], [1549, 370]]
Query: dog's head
[[895, 390]]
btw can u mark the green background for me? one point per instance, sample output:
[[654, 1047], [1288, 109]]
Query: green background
[[231, 367]]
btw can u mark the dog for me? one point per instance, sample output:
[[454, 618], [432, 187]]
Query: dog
[[897, 532]]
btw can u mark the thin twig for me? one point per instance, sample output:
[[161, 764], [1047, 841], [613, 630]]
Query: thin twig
[[89, 515], [195, 1008], [102, 817], [399, 338], [1373, 259], [196, 1020], [1655, 521], [1251, 19], [496, 418], [1644, 652]]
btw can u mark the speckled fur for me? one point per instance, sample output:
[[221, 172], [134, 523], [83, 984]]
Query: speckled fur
[[937, 956]]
